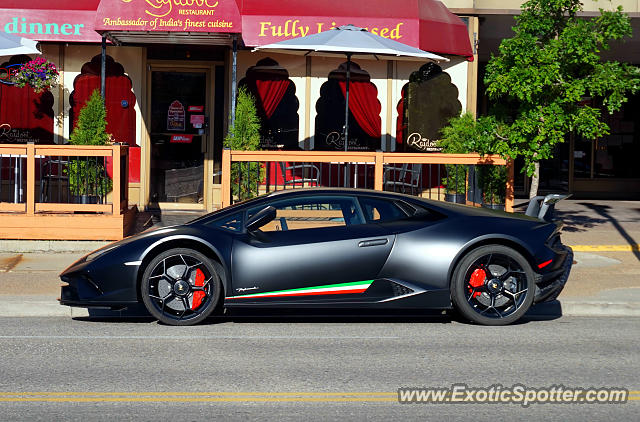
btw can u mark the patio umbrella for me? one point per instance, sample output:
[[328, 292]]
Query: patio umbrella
[[349, 40], [11, 45]]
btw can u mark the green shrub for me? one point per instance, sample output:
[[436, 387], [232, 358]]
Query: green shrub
[[87, 175], [92, 123], [244, 135], [493, 180]]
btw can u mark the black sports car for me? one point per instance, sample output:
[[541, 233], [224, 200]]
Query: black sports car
[[331, 248]]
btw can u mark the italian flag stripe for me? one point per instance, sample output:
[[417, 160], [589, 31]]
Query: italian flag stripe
[[328, 289]]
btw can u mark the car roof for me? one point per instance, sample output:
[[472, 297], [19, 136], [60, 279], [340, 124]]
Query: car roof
[[445, 208]]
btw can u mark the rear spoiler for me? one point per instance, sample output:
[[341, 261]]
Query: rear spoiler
[[543, 206]]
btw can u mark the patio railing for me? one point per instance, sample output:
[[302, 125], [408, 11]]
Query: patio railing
[[454, 177], [63, 179]]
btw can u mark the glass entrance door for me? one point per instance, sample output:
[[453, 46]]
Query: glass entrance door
[[179, 122]]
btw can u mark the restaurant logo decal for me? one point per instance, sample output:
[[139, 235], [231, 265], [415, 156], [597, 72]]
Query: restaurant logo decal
[[17, 136], [415, 140], [336, 140], [169, 15]]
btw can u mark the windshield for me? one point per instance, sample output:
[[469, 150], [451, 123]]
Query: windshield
[[228, 209]]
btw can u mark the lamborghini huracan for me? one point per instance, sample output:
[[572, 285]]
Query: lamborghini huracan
[[331, 248]]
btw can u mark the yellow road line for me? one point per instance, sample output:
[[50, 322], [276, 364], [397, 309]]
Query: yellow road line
[[195, 399], [187, 393], [207, 397], [605, 248], [208, 393], [204, 399]]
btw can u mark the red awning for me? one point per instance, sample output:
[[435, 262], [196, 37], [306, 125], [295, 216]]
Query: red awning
[[45, 20], [425, 24], [168, 21]]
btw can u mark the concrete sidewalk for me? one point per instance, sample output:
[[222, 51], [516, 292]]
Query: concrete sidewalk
[[604, 281]]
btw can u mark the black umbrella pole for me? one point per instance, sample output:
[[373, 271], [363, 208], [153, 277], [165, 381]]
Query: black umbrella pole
[[346, 107]]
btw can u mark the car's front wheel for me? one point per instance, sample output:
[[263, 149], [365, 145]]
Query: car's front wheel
[[180, 287], [493, 285]]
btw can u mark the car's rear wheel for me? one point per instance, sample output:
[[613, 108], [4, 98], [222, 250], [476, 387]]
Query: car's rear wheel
[[180, 287], [493, 285]]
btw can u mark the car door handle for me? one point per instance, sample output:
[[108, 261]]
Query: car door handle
[[373, 242]]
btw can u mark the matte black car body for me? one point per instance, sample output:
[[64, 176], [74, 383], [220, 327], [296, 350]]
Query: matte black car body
[[407, 263]]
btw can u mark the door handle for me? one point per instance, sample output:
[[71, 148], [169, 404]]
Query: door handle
[[373, 242]]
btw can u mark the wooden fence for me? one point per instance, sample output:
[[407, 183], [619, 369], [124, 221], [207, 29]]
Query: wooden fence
[[378, 161], [31, 209]]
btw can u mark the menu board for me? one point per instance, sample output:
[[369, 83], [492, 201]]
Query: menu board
[[175, 116]]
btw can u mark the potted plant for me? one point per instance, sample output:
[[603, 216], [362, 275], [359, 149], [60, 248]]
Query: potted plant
[[244, 135], [455, 183], [88, 180], [493, 180]]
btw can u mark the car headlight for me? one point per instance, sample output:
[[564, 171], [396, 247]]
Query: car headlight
[[93, 255]]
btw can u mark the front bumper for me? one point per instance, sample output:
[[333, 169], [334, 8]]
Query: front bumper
[[99, 284], [550, 285]]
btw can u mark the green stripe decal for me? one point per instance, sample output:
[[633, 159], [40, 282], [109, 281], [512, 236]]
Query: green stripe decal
[[355, 285]]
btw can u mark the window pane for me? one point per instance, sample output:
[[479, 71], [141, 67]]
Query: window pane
[[229, 222], [313, 213], [380, 210]]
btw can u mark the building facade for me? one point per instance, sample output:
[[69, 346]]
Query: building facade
[[169, 76]]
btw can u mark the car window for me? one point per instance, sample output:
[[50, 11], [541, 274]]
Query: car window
[[381, 210], [231, 222], [312, 212]]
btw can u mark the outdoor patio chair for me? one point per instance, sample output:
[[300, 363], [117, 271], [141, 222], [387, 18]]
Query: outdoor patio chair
[[52, 174], [300, 174], [402, 176]]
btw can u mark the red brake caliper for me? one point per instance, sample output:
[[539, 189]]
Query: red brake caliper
[[476, 280], [197, 296]]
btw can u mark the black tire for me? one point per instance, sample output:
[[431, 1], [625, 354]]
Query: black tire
[[493, 285], [181, 287]]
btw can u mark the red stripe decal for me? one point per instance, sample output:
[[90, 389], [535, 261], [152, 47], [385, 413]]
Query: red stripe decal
[[313, 293]]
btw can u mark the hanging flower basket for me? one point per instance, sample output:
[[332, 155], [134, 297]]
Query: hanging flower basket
[[39, 74]]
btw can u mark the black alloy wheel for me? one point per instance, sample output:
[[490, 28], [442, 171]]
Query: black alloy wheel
[[493, 285], [180, 287]]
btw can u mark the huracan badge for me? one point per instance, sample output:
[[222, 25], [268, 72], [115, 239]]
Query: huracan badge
[[244, 289]]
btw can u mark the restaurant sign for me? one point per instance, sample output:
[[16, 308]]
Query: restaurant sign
[[50, 25], [261, 30], [168, 15]]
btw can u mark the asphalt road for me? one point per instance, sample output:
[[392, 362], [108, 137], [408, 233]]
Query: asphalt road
[[348, 368]]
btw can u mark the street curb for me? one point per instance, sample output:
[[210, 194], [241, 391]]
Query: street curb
[[559, 308], [26, 246], [16, 306], [38, 308]]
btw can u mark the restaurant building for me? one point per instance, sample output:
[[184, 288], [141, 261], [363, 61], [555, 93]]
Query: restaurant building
[[169, 74]]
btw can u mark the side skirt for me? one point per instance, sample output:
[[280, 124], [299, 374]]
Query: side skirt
[[380, 294]]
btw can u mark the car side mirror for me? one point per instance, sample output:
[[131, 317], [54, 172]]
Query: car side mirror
[[261, 218]]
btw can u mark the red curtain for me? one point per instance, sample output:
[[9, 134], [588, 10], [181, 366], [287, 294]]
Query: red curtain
[[271, 92], [27, 113], [121, 121], [364, 105], [400, 122]]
